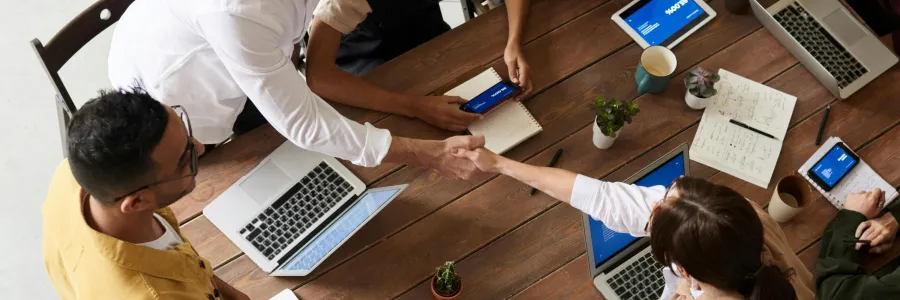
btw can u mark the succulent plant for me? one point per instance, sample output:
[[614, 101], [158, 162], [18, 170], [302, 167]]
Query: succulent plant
[[613, 114], [700, 82], [446, 280]]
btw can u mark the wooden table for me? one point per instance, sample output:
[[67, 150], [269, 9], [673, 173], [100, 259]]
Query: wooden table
[[505, 242]]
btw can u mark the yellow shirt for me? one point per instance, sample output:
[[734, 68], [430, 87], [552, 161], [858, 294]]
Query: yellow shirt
[[86, 264]]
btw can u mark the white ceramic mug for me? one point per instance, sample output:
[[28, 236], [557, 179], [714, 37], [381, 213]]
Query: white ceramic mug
[[792, 194]]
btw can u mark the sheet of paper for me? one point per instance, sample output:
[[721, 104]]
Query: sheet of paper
[[506, 126], [475, 86], [735, 150], [861, 178], [752, 103]]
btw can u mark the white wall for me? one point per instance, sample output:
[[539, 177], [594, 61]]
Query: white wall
[[29, 143]]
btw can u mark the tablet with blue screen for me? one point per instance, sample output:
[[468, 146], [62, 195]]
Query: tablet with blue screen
[[662, 22]]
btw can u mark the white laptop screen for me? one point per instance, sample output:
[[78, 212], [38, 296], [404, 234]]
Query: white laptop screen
[[342, 228], [606, 243]]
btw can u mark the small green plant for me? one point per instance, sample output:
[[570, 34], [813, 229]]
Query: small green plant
[[700, 82], [446, 281], [613, 114]]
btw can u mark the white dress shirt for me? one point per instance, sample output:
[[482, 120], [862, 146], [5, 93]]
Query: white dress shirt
[[623, 208], [211, 55]]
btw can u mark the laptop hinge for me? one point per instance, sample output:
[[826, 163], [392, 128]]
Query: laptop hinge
[[328, 222]]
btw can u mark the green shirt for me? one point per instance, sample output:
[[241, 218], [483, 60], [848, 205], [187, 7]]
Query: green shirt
[[839, 275]]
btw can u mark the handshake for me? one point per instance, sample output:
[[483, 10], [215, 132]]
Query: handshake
[[462, 157]]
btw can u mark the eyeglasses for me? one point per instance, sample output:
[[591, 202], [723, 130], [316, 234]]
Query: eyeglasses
[[656, 208], [190, 148]]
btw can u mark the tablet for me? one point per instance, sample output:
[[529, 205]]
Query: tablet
[[662, 22]]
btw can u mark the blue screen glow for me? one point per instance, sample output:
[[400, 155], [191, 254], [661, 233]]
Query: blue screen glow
[[489, 98], [658, 20], [605, 242], [834, 165]]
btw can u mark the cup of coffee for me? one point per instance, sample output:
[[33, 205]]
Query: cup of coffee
[[792, 194], [655, 69]]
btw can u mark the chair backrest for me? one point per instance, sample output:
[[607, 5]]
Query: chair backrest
[[62, 46]]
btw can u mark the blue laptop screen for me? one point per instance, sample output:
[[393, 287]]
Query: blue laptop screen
[[340, 230], [606, 243], [660, 22]]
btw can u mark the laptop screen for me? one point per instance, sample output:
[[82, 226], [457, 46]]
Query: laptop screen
[[607, 243], [340, 229]]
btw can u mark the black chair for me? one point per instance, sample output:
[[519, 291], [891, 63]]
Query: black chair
[[62, 46]]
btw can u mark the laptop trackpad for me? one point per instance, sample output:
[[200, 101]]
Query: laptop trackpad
[[266, 182], [844, 28]]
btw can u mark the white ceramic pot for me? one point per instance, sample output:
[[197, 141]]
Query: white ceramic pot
[[601, 140], [694, 101]]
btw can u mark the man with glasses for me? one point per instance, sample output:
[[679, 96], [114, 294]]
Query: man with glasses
[[108, 230]]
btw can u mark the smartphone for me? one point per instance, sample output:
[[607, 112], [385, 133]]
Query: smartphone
[[491, 98], [834, 166]]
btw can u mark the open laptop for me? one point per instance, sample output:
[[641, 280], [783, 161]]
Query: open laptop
[[621, 265], [294, 209], [839, 51]]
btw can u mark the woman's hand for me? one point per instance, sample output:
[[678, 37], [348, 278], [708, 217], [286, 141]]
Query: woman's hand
[[866, 203], [880, 231], [484, 159], [518, 68]]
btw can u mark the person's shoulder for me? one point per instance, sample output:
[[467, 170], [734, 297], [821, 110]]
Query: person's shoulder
[[62, 193]]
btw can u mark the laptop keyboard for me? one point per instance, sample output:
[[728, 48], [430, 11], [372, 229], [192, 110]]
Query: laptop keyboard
[[292, 214], [643, 279], [818, 42]]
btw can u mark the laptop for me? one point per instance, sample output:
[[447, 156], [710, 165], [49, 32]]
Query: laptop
[[839, 51], [294, 209], [622, 265]]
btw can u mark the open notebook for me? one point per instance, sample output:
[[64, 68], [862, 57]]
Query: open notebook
[[861, 179], [507, 125], [735, 150]]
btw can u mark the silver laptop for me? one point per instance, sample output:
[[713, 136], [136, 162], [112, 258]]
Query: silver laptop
[[839, 51], [621, 265], [294, 209]]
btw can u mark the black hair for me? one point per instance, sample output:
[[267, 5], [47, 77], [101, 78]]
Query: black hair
[[110, 140], [717, 237]]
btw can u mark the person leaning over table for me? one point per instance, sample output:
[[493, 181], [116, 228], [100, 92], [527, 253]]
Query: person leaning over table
[[108, 230], [720, 245], [212, 56], [839, 275]]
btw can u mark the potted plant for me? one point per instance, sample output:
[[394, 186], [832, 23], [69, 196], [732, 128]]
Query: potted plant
[[700, 86], [446, 284], [611, 118]]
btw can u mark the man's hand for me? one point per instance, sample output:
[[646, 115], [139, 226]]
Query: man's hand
[[484, 159], [881, 231], [448, 165], [518, 68], [866, 203], [444, 112]]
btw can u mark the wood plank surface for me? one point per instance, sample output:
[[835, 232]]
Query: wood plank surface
[[483, 214]]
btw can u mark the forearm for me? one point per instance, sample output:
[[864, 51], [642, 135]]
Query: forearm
[[554, 182], [516, 14], [412, 152], [329, 82]]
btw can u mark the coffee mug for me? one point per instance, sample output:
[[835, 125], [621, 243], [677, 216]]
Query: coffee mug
[[656, 67], [792, 194]]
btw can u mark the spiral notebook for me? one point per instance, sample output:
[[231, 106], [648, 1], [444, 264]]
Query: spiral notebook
[[504, 127], [861, 178]]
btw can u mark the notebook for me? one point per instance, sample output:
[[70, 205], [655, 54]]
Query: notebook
[[504, 127], [733, 149], [861, 178]]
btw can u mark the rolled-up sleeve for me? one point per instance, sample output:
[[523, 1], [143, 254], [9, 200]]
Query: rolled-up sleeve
[[342, 15], [252, 54], [620, 206]]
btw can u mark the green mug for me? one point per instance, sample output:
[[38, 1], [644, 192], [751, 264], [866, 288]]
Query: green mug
[[656, 67]]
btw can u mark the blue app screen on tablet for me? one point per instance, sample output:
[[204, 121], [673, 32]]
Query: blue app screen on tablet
[[660, 22]]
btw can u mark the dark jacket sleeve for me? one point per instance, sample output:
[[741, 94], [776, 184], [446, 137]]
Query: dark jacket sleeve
[[839, 275]]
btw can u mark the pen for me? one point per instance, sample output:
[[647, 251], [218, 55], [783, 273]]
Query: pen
[[857, 241], [822, 125], [552, 163], [752, 129]]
